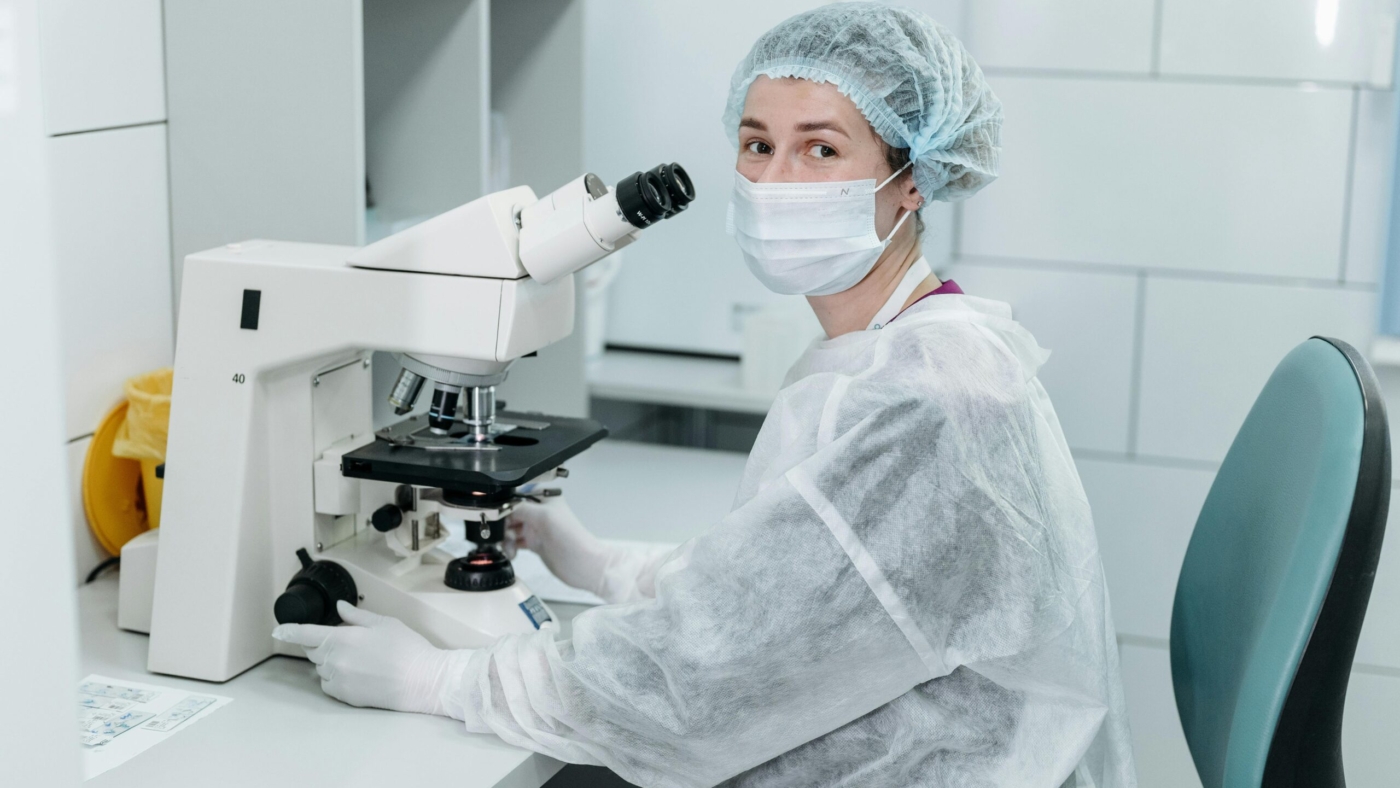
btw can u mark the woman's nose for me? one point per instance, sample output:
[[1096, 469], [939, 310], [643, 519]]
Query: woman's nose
[[780, 169]]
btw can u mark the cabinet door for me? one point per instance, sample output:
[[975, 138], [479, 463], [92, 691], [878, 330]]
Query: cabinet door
[[266, 122], [87, 552], [104, 63], [112, 234]]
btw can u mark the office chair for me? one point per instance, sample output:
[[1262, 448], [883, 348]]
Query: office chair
[[1278, 573]]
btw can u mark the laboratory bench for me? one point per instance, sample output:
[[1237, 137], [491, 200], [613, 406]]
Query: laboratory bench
[[281, 730]]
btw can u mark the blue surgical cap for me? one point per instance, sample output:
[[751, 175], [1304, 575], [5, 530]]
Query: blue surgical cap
[[909, 76]]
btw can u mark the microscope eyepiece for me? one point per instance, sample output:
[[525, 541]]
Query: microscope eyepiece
[[643, 199], [677, 184]]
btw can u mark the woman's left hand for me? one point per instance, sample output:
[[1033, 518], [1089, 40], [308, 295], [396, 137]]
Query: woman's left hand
[[378, 661]]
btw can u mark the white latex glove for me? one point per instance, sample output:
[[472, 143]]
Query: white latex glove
[[577, 557], [377, 661], [552, 530]]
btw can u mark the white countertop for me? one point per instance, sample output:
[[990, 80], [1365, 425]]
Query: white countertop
[[282, 731], [673, 380]]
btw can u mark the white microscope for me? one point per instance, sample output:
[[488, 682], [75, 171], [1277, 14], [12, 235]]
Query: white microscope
[[281, 499]]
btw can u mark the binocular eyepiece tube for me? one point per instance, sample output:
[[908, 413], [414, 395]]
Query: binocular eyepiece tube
[[645, 198], [557, 238]]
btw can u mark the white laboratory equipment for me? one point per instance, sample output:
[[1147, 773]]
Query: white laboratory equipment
[[280, 496]]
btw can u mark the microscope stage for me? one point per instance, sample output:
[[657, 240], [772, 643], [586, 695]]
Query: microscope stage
[[538, 444]]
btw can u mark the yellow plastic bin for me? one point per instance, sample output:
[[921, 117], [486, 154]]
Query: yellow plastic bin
[[121, 492], [142, 435]]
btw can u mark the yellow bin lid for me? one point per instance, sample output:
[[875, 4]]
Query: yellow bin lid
[[112, 494]]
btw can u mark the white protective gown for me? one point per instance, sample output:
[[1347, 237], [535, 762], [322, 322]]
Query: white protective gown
[[907, 592]]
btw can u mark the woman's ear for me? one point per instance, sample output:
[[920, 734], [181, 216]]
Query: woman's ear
[[913, 201]]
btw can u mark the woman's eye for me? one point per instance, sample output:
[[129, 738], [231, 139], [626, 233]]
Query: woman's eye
[[760, 147], [823, 151]]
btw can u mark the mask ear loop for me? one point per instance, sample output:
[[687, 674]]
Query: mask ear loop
[[895, 229], [894, 175]]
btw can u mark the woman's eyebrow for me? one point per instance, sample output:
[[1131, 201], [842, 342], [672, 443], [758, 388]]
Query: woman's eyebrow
[[821, 125], [752, 123]]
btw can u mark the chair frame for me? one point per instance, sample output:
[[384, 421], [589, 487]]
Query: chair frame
[[1306, 749]]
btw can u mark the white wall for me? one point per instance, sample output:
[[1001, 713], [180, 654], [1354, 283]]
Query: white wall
[[103, 83], [1188, 190], [39, 657]]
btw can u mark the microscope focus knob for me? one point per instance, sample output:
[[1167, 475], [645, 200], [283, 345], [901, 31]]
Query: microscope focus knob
[[313, 591], [386, 518]]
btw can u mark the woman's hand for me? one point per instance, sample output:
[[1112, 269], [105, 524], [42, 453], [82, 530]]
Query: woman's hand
[[570, 552], [378, 661]]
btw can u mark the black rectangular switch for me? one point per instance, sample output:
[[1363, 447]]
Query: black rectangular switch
[[252, 300]]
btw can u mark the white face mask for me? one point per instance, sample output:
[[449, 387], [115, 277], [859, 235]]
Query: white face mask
[[808, 238]]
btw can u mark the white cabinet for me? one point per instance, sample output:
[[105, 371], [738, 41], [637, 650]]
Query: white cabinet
[[1323, 40], [112, 235], [103, 63], [266, 136], [339, 121]]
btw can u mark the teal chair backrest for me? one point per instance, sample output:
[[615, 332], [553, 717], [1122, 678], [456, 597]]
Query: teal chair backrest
[[1277, 575]]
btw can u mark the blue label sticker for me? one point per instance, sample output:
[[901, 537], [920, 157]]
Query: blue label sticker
[[535, 611]]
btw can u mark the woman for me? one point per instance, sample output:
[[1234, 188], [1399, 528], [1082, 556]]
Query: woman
[[908, 590]]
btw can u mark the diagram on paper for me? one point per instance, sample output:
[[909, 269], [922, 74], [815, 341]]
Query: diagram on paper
[[118, 720]]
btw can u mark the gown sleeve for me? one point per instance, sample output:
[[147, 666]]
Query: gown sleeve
[[831, 591]]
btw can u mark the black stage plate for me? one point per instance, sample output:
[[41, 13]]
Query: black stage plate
[[508, 467]]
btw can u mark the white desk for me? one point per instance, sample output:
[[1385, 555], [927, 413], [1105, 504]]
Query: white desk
[[282, 731]]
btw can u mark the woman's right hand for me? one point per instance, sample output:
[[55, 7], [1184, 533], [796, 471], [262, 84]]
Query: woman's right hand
[[551, 530]]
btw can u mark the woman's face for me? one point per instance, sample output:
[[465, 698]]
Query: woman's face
[[796, 130]]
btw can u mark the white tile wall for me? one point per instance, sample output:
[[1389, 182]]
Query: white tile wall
[[1380, 635], [1209, 347], [1163, 759], [112, 230], [1368, 729], [1086, 320], [1144, 515], [1389, 378], [103, 63], [1091, 35], [1213, 177], [87, 553], [1340, 40], [1372, 179]]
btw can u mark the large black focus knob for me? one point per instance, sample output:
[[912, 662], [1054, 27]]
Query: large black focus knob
[[300, 604], [311, 595], [386, 518], [483, 569]]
